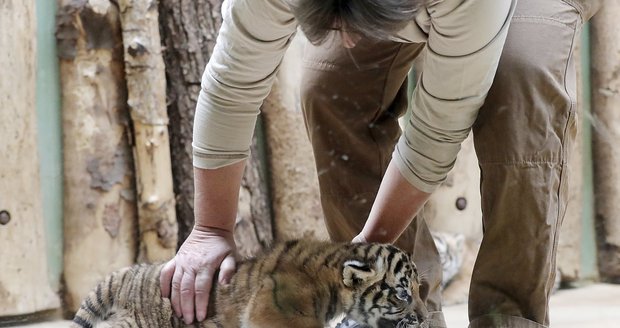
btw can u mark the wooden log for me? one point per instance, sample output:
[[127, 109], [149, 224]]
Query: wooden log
[[99, 200], [189, 30], [24, 284], [606, 133], [146, 85], [254, 224], [188, 33]]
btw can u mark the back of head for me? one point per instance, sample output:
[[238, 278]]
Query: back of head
[[377, 19]]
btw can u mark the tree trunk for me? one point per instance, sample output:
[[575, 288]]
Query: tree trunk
[[24, 284], [146, 85], [189, 29], [254, 226], [606, 100], [99, 200]]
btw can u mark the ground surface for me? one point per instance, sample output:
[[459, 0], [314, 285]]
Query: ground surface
[[588, 307]]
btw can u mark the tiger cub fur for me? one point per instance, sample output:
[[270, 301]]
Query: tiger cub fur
[[298, 283], [450, 248]]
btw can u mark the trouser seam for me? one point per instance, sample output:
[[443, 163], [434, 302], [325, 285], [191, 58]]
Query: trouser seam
[[542, 19], [563, 167], [520, 163], [572, 100]]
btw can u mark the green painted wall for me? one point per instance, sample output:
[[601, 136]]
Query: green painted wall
[[589, 267], [49, 134]]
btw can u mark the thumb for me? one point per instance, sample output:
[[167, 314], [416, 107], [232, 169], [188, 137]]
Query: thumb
[[359, 239], [227, 269]]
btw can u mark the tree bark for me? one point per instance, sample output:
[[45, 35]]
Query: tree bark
[[146, 85], [254, 226], [189, 29], [99, 199], [24, 284]]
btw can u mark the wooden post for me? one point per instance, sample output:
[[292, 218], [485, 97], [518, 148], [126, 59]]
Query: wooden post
[[146, 85], [606, 133], [24, 284], [254, 224], [99, 199], [188, 35]]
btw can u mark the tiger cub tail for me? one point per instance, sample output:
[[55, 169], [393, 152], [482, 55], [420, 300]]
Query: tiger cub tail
[[99, 304]]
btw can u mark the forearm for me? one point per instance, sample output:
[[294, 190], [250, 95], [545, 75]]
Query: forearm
[[396, 205], [216, 196]]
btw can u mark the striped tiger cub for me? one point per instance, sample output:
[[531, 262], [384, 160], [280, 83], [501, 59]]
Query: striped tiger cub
[[298, 283], [451, 249]]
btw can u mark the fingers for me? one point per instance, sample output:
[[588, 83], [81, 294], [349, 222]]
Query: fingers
[[227, 269], [202, 289], [175, 293], [186, 291], [187, 297], [165, 278], [187, 280]]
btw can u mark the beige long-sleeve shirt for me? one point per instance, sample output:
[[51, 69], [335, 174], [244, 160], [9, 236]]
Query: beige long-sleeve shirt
[[464, 42]]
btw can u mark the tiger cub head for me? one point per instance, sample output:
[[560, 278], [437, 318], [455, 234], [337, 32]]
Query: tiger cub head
[[384, 285]]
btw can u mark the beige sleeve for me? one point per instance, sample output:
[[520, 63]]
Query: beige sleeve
[[250, 45], [464, 46]]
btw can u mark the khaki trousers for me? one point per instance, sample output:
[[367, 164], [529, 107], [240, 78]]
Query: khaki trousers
[[352, 99]]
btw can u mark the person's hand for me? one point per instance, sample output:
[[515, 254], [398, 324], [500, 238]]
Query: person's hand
[[188, 277], [359, 239]]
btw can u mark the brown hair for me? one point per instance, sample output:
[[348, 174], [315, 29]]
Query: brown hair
[[378, 19]]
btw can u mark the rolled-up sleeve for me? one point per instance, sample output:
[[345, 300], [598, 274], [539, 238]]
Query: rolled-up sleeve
[[250, 46], [465, 41]]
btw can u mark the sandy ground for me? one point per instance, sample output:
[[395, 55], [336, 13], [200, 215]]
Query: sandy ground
[[587, 307]]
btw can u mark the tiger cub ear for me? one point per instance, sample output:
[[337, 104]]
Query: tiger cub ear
[[356, 273]]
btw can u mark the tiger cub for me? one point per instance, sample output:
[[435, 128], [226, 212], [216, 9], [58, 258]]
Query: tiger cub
[[298, 283], [451, 249]]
